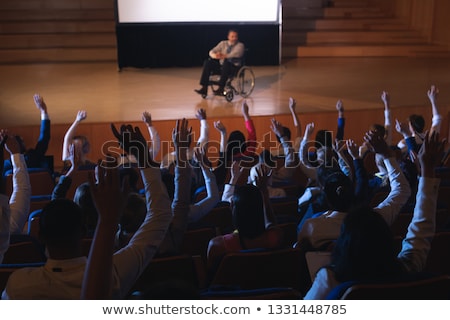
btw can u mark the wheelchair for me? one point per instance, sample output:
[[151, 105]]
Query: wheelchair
[[241, 83]]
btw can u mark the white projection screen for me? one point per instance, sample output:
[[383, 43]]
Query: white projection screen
[[198, 11]]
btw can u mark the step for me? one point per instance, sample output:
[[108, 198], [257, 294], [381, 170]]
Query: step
[[304, 3], [82, 40], [58, 55], [370, 12], [370, 51], [56, 14], [298, 24], [74, 26], [360, 24], [294, 38], [349, 3], [364, 37], [55, 4], [294, 12]]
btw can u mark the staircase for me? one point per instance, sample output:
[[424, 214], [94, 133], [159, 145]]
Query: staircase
[[349, 28], [37, 31]]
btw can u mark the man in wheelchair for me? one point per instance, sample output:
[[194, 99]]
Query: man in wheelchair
[[224, 59]]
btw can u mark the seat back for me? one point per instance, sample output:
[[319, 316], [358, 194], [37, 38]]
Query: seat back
[[177, 271], [438, 260], [24, 249], [263, 269], [429, 288]]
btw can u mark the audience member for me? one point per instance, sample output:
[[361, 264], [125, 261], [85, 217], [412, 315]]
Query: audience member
[[364, 250], [253, 219], [61, 230], [35, 158], [80, 142], [13, 210], [319, 231]]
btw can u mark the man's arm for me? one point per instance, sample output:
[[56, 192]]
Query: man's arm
[[20, 198], [417, 243], [44, 136], [130, 261]]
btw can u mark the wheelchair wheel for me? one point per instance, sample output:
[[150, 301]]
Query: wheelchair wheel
[[245, 81]]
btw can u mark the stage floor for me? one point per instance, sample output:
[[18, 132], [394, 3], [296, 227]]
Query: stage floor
[[316, 83]]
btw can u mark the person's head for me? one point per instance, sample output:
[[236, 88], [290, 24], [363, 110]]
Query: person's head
[[378, 129], [82, 143], [338, 188], [61, 228], [21, 143], [416, 123], [324, 147], [83, 199], [236, 143], [248, 211], [233, 36], [133, 214], [364, 249]]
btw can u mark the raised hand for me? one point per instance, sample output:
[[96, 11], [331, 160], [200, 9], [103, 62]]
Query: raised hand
[[386, 99], [292, 104], [244, 110], [39, 102], [108, 195], [218, 125], [147, 118], [263, 174], [340, 108], [133, 142], [377, 144], [403, 129], [81, 115], [309, 129], [200, 114], [432, 94], [353, 149], [430, 153], [276, 127]]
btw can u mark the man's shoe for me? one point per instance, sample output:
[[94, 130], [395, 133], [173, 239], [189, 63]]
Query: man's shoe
[[219, 92], [203, 92]]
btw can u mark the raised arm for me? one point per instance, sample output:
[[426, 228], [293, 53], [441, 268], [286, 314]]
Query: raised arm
[[70, 133], [295, 120], [130, 261], [340, 120], [387, 117], [400, 190], [109, 200], [19, 202], [180, 205], [251, 131], [204, 128], [201, 208], [154, 135], [44, 135], [437, 118], [223, 135], [417, 243]]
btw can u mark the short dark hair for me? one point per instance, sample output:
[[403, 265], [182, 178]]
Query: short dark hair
[[417, 122], [61, 223], [248, 211]]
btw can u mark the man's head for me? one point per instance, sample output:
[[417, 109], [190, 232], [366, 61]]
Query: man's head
[[416, 123], [61, 228], [233, 36]]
